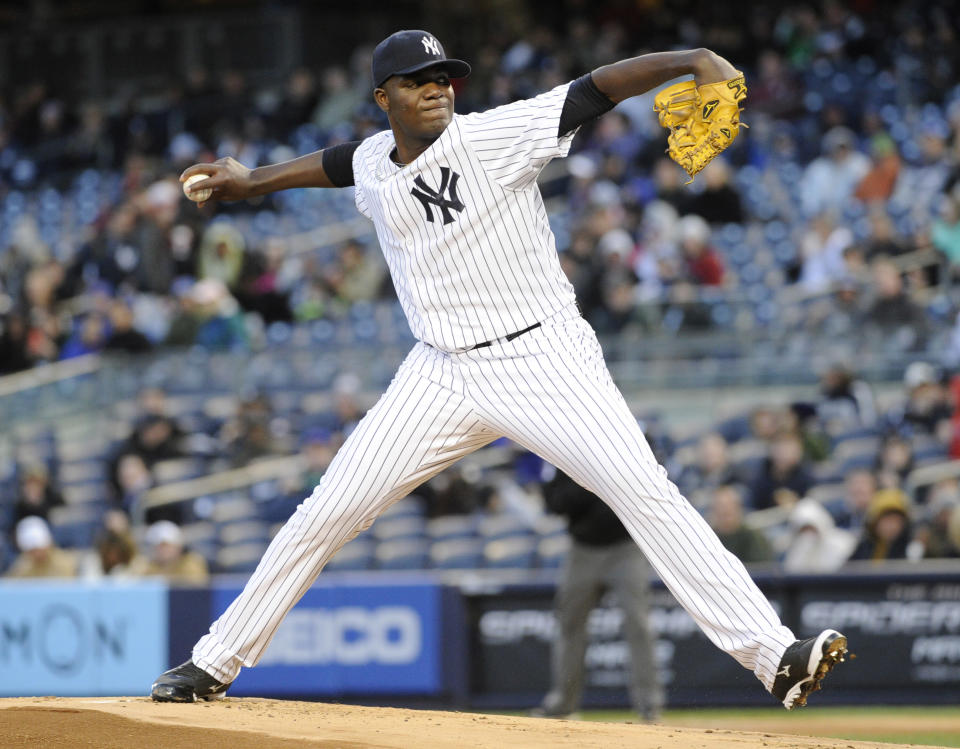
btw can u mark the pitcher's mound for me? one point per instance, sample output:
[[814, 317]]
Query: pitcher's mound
[[243, 723]]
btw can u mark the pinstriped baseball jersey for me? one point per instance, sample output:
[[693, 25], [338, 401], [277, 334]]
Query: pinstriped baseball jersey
[[463, 226]]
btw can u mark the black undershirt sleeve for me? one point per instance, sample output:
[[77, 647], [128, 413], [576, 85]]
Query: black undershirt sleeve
[[584, 102], [338, 163]]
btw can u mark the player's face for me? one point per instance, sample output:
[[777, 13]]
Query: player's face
[[420, 105]]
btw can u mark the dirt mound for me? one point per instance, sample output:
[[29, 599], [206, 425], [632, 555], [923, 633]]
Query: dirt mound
[[233, 723]]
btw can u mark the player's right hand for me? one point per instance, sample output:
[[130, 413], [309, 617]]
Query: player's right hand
[[229, 179]]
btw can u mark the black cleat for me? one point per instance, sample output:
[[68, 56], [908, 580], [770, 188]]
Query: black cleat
[[804, 664], [187, 683]]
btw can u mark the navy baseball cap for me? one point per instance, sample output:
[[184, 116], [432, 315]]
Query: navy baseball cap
[[409, 51]]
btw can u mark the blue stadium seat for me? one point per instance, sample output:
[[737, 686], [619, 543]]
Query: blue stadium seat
[[356, 555], [395, 528], [451, 526], [458, 553], [406, 554], [518, 552], [239, 558], [494, 527]]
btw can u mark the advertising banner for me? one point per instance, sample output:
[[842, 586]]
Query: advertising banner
[[512, 632], [72, 640], [904, 632], [352, 639]]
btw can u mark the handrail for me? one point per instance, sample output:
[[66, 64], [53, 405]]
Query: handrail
[[47, 374], [213, 483]]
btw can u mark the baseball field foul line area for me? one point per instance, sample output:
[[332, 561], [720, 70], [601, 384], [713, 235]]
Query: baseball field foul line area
[[122, 722]]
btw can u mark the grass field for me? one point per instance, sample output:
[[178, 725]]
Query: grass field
[[934, 726]]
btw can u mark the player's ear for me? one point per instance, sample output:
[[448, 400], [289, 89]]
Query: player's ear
[[383, 101]]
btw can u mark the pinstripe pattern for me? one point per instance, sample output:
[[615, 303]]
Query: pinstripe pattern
[[494, 269], [489, 272]]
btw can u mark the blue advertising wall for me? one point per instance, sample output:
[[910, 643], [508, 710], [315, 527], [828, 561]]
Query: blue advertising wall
[[353, 639], [70, 640]]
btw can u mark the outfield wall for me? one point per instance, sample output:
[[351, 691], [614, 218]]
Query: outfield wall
[[481, 641]]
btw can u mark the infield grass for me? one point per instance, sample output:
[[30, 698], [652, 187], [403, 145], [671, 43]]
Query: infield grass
[[932, 726]]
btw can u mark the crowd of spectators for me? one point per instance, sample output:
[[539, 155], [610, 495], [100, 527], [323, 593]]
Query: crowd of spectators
[[810, 484], [851, 162], [844, 194]]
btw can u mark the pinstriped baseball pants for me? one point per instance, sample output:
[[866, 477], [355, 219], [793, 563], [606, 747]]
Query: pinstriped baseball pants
[[549, 391]]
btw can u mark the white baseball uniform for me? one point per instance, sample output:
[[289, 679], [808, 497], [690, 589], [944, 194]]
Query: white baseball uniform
[[466, 237]]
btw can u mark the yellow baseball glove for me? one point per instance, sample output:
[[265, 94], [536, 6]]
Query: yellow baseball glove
[[702, 120]]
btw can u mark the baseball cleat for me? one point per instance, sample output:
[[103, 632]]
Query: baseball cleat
[[804, 664], [186, 683]]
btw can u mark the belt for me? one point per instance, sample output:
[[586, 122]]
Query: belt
[[508, 337]]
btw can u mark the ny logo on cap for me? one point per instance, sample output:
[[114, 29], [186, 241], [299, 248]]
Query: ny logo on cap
[[428, 196], [431, 45]]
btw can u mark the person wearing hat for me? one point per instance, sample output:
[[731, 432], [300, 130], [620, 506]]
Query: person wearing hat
[[887, 531], [39, 556], [501, 351], [168, 558]]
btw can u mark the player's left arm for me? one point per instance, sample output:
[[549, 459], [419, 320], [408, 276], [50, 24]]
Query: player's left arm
[[621, 80]]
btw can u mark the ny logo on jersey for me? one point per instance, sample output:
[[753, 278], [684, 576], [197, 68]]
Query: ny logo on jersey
[[431, 45], [429, 197]]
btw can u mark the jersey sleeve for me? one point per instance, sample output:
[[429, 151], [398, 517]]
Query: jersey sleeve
[[515, 141]]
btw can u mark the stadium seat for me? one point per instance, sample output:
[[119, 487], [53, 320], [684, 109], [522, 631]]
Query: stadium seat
[[548, 526], [406, 554], [240, 558], [395, 528], [458, 553], [356, 555], [451, 526], [409, 506], [494, 527], [511, 552], [243, 531], [74, 527]]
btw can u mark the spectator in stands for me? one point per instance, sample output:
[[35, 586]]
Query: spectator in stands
[[719, 202], [933, 530], [123, 336], [37, 496], [209, 317], [945, 233], [711, 470], [784, 476], [830, 180], [845, 402], [158, 206], [921, 184], [247, 437], [602, 557], [893, 314], [816, 544], [131, 478], [883, 240], [39, 556], [704, 267], [114, 549], [927, 409], [726, 518], [618, 281], [89, 337], [222, 250], [357, 276], [167, 557], [821, 250], [850, 513], [894, 462], [887, 530], [877, 184], [14, 356], [265, 282]]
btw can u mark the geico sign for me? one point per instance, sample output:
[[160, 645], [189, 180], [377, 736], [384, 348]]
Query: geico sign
[[350, 636]]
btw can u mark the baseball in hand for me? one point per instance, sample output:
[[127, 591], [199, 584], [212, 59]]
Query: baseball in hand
[[197, 195]]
